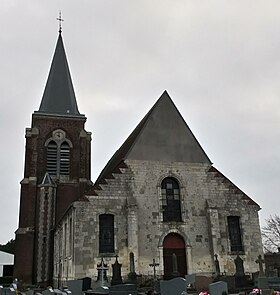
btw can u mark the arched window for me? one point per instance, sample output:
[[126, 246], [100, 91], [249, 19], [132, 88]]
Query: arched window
[[52, 158], [58, 158], [106, 233], [171, 203]]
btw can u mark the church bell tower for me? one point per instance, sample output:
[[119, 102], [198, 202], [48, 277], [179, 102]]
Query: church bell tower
[[56, 172]]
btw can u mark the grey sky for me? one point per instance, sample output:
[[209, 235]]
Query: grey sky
[[218, 60]]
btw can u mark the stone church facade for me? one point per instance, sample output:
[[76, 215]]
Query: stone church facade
[[159, 195]]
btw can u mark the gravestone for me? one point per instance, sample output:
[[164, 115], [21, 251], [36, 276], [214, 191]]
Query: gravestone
[[29, 292], [218, 288], [86, 283], [262, 279], [61, 292], [123, 289], [102, 279], [8, 291], [239, 267], [117, 273], [217, 266], [241, 280], [154, 265], [76, 287], [190, 279], [132, 277], [49, 291], [98, 291], [174, 286]]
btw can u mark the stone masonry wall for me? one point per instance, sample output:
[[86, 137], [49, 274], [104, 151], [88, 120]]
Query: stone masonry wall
[[134, 198]]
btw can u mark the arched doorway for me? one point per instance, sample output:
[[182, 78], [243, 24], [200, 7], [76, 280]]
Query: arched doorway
[[174, 243]]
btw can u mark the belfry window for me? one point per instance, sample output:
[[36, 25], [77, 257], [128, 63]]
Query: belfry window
[[234, 234], [64, 159], [106, 233], [52, 158], [58, 158], [171, 203]]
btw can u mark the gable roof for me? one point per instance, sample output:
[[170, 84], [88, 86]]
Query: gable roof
[[162, 135], [59, 96]]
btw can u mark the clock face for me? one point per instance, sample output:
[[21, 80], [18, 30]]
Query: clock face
[[59, 134]]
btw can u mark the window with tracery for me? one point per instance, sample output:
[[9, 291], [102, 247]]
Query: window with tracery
[[106, 233], [235, 234], [171, 201]]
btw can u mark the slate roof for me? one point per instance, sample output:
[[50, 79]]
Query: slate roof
[[158, 137], [59, 96]]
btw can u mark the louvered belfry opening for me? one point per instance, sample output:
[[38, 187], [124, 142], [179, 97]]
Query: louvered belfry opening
[[64, 159], [52, 158], [58, 158]]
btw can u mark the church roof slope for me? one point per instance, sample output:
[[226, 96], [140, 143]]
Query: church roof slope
[[59, 96], [162, 135]]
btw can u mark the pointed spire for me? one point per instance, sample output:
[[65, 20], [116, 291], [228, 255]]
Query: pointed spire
[[59, 96]]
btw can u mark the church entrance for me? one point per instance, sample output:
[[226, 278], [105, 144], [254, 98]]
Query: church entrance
[[174, 254]]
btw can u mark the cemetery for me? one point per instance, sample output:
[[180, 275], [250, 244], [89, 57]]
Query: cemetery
[[262, 282]]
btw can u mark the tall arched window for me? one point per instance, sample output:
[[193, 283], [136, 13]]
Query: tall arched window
[[106, 233], [171, 203]]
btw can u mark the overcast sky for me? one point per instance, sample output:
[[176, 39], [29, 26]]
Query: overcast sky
[[218, 60]]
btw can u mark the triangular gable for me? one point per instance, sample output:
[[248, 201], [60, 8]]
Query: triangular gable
[[162, 135], [165, 136]]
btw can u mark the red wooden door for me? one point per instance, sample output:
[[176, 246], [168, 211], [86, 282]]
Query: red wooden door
[[174, 243]]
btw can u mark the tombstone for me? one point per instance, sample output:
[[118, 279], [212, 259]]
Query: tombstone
[[99, 290], [132, 277], [60, 292], [175, 272], [8, 291], [239, 267], [154, 265], [29, 292], [218, 288], [174, 286], [117, 273], [190, 279], [102, 279], [123, 289], [262, 279], [217, 266], [241, 280], [14, 285], [75, 286], [86, 283], [49, 291]]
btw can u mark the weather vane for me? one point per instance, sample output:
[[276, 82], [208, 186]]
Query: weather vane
[[60, 21]]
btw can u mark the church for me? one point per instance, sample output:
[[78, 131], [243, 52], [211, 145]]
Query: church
[[159, 198]]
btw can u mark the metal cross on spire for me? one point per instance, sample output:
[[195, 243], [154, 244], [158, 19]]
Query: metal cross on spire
[[59, 18]]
